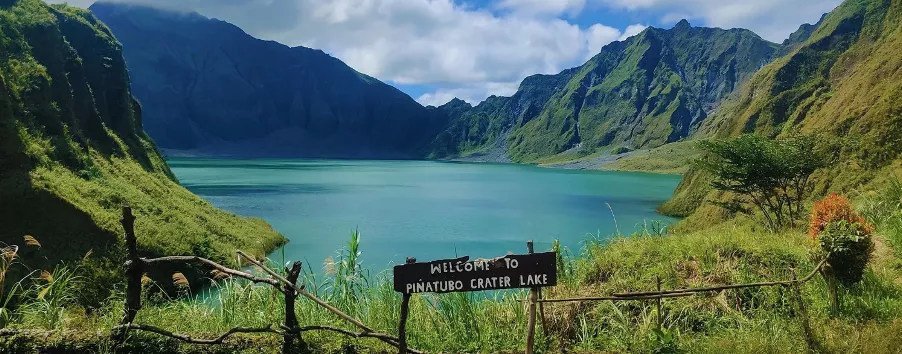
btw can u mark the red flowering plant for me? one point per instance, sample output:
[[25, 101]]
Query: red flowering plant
[[844, 236], [834, 208]]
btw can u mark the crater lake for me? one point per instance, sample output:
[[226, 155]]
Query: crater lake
[[425, 209]]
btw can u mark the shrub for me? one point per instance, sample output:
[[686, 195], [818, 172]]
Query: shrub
[[849, 247], [833, 208]]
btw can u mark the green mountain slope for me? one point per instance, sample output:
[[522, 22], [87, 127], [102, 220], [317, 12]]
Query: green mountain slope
[[73, 151], [646, 91], [207, 85], [844, 81], [493, 119]]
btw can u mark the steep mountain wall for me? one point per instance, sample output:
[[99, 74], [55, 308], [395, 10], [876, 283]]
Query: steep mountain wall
[[73, 152], [208, 86]]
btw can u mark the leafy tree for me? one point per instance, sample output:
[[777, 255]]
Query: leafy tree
[[771, 174]]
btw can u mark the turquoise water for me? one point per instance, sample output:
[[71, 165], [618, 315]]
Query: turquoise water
[[427, 210]]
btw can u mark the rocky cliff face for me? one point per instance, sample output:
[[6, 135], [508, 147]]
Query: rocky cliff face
[[646, 91], [209, 86]]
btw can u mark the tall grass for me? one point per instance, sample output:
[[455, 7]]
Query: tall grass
[[883, 208], [49, 296], [759, 320]]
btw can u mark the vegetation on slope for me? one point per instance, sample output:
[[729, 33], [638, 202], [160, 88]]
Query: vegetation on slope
[[845, 81], [73, 151]]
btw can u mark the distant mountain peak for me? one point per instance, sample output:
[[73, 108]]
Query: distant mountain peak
[[456, 102], [683, 24]]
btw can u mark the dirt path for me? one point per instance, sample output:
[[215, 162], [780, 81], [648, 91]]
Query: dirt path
[[885, 260]]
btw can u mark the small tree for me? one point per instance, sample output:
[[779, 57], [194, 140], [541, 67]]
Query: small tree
[[771, 174], [849, 246]]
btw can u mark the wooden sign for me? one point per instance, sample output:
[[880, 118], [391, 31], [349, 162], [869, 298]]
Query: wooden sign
[[461, 274]]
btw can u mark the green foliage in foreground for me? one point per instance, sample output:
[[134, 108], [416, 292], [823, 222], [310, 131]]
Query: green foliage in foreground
[[763, 320]]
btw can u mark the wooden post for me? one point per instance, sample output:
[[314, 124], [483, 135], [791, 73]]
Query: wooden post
[[300, 290], [827, 271], [402, 321], [658, 280], [531, 313], [133, 271], [291, 320]]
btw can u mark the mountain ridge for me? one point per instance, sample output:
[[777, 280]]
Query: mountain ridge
[[554, 125], [210, 86]]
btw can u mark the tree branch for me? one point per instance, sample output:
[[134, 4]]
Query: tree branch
[[189, 339], [217, 266]]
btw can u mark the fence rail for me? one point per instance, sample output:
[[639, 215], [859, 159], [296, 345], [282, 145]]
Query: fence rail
[[661, 294]]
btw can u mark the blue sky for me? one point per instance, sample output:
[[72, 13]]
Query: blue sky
[[435, 50]]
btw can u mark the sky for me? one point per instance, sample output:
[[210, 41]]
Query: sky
[[435, 50]]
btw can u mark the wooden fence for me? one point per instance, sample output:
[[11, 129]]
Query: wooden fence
[[290, 329]]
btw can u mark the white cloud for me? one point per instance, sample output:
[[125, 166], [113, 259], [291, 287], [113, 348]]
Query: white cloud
[[458, 49], [773, 20], [632, 30], [437, 42], [597, 36], [543, 7]]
